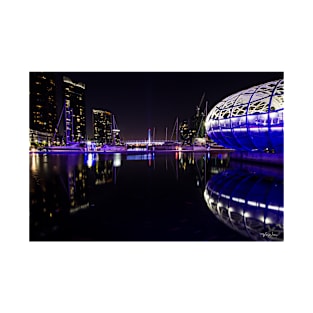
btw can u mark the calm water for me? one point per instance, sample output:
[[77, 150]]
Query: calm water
[[153, 197]]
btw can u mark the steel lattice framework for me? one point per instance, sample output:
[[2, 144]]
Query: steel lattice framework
[[250, 120], [251, 204]]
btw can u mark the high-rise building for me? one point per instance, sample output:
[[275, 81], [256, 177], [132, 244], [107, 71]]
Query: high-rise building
[[42, 102], [185, 133], [102, 126], [75, 109]]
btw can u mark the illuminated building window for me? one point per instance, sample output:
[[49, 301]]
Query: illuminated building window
[[42, 102]]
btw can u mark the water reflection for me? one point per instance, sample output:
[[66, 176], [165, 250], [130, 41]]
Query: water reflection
[[58, 187], [249, 202], [137, 196]]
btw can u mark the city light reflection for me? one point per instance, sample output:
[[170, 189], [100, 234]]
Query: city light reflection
[[117, 160], [35, 162], [90, 160]]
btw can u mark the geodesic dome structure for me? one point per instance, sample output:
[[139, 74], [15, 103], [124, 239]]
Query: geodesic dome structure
[[250, 120]]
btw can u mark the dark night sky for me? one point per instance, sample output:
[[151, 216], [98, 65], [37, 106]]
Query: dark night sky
[[142, 100]]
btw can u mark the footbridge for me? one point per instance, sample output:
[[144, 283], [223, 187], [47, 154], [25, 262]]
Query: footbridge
[[144, 143]]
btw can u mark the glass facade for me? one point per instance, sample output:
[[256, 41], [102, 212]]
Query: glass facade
[[250, 120], [185, 133], [74, 99], [102, 126], [42, 102]]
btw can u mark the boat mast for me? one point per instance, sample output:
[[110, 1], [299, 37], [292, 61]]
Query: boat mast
[[198, 108], [175, 129]]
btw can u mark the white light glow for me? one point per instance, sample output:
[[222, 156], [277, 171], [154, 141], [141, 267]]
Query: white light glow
[[253, 203], [247, 214], [35, 162], [89, 160], [117, 160], [240, 200], [275, 207], [268, 220]]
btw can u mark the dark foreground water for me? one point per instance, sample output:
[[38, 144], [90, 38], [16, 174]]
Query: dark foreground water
[[153, 197]]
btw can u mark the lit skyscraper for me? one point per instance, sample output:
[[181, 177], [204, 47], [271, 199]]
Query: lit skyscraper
[[102, 126], [74, 101], [42, 102], [185, 133]]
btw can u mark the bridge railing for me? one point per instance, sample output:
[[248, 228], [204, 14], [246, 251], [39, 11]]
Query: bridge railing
[[143, 142]]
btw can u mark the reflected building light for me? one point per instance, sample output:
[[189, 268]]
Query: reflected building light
[[268, 221], [35, 162], [140, 157], [80, 207], [253, 203], [90, 160], [274, 207], [117, 159], [206, 196], [246, 215], [238, 200]]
